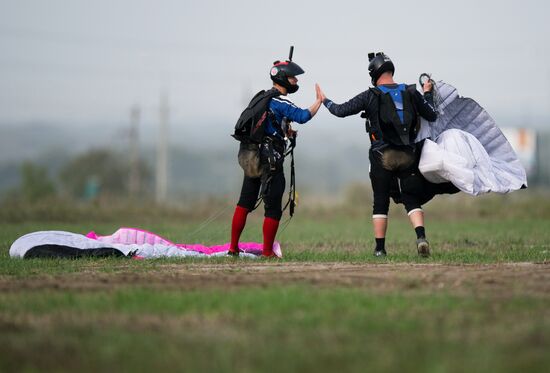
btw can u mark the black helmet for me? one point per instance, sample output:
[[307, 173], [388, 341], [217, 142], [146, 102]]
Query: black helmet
[[379, 63], [281, 71]]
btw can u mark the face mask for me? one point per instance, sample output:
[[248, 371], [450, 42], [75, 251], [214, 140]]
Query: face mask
[[291, 88]]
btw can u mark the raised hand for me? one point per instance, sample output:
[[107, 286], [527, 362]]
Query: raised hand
[[428, 85], [320, 94], [318, 100]]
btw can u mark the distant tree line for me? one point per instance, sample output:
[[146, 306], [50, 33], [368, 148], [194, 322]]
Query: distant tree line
[[94, 174]]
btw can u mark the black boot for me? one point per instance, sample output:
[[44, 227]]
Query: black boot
[[380, 250], [380, 253]]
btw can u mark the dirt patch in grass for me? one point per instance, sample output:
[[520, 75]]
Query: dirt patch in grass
[[498, 280]]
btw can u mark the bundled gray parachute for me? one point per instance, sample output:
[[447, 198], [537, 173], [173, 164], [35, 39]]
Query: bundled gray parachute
[[465, 146]]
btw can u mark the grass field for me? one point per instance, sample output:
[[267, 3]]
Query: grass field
[[480, 303]]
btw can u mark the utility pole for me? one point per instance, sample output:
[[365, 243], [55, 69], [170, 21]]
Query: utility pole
[[134, 176], [162, 150]]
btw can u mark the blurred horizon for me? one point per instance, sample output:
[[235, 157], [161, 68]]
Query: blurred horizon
[[71, 72]]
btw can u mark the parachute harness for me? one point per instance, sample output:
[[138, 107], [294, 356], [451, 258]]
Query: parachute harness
[[291, 203]]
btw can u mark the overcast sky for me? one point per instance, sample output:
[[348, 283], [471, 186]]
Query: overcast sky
[[79, 62]]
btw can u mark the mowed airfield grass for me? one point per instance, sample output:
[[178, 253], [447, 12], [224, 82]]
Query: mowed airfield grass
[[480, 303]]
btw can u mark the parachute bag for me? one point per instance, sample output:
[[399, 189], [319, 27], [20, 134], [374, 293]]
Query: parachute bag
[[397, 159], [249, 159]]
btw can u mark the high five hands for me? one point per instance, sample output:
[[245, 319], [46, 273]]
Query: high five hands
[[320, 94], [318, 100]]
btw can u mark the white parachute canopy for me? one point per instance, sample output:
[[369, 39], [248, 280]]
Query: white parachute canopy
[[465, 146], [129, 242]]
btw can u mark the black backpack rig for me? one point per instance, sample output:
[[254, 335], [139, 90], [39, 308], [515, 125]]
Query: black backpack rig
[[385, 124], [250, 127]]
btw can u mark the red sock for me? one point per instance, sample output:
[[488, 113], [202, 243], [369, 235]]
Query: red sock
[[237, 226], [270, 230]]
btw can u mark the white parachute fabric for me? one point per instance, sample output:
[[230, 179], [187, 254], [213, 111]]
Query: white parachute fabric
[[468, 149], [56, 240]]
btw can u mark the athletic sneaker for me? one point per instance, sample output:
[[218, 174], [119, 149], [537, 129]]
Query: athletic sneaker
[[423, 247], [234, 253], [380, 253]]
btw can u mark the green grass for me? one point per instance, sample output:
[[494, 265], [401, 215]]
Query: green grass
[[297, 328], [301, 327], [479, 240]]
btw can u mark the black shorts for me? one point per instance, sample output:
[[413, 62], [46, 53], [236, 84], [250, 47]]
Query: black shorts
[[410, 182], [273, 197]]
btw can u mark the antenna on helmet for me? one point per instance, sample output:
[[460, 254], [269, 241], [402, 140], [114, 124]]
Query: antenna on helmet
[[291, 53]]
